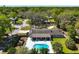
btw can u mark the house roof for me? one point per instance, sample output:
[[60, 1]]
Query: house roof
[[57, 32], [47, 31], [40, 31], [40, 35]]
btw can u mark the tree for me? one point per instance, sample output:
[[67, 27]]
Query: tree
[[58, 47], [12, 14], [77, 24], [5, 26], [71, 31], [12, 42], [11, 50], [73, 20], [15, 39], [71, 44]]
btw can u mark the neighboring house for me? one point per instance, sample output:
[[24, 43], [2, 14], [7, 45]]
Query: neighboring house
[[46, 34], [41, 37]]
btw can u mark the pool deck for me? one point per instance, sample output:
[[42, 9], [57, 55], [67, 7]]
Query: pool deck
[[30, 44]]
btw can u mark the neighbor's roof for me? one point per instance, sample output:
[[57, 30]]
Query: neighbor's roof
[[40, 35]]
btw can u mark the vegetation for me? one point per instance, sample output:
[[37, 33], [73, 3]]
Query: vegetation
[[77, 24], [65, 18], [51, 20], [71, 32], [39, 51], [21, 50], [11, 50], [34, 51], [19, 21], [57, 47], [12, 42], [5, 26], [28, 22], [71, 44], [62, 41], [44, 51], [26, 28]]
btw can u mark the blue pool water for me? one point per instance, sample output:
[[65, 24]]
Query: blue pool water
[[40, 46]]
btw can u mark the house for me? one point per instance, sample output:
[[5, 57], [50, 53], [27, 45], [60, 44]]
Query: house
[[45, 34], [57, 33], [40, 37]]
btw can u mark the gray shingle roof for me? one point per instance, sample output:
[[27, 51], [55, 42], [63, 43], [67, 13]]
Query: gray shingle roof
[[40, 35], [56, 32], [41, 31], [46, 33]]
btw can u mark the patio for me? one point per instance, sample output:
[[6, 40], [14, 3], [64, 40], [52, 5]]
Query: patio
[[30, 44]]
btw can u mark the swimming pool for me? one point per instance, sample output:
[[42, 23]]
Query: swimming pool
[[40, 46]]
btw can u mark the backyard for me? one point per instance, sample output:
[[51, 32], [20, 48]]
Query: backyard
[[62, 41]]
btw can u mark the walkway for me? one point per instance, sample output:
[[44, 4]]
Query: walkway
[[22, 25], [16, 31]]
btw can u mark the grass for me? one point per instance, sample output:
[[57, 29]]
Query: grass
[[28, 21], [62, 41], [7, 30], [26, 28], [51, 27], [51, 20]]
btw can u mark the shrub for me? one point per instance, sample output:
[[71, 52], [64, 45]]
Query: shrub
[[58, 47], [44, 50], [34, 51], [7, 46], [29, 22], [39, 51], [76, 40], [22, 50], [71, 44], [11, 50]]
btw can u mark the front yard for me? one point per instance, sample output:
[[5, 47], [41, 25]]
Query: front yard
[[62, 41], [26, 28]]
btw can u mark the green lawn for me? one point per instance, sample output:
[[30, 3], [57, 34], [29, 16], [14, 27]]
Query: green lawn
[[65, 49], [28, 21], [51, 20], [26, 28]]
